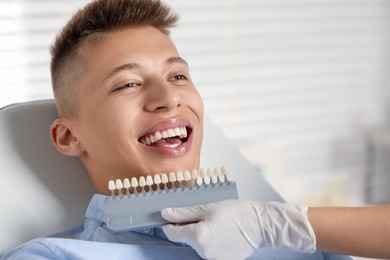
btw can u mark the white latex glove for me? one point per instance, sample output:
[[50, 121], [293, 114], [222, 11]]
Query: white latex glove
[[234, 229]]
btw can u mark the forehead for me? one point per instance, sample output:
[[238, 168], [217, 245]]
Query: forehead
[[139, 43]]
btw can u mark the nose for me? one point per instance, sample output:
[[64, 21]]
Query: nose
[[162, 98]]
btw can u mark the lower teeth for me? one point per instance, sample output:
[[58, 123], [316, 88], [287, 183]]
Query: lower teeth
[[168, 143]]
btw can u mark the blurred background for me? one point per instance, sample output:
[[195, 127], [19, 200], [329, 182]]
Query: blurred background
[[302, 87]]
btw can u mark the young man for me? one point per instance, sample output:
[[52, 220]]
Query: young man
[[119, 84]]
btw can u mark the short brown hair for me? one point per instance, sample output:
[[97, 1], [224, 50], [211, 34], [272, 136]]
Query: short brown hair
[[90, 23]]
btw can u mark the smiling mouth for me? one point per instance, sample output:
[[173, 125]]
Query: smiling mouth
[[168, 138]]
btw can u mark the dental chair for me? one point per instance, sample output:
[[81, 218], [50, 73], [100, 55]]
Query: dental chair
[[43, 191]]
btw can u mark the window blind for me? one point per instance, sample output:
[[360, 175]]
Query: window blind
[[295, 84]]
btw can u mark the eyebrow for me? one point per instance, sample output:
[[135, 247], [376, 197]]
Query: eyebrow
[[124, 67], [172, 60], [137, 66]]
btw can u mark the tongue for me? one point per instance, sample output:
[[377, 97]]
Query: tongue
[[167, 142]]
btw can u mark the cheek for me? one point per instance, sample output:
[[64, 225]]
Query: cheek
[[198, 108], [119, 111], [197, 103], [108, 121]]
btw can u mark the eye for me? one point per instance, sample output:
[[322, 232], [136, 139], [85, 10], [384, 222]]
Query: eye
[[179, 77], [127, 85]]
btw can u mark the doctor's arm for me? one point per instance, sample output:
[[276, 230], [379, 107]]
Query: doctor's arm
[[359, 231], [235, 229]]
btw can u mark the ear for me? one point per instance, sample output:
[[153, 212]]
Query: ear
[[64, 139]]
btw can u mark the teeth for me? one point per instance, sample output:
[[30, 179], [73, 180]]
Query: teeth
[[202, 173], [157, 179], [202, 177], [223, 176], [126, 183], [210, 172], [118, 184], [164, 178], [149, 180], [177, 132], [111, 185], [142, 181], [194, 174], [187, 176], [180, 132], [223, 171], [134, 182], [158, 136], [180, 176], [205, 175], [171, 133], [172, 177]]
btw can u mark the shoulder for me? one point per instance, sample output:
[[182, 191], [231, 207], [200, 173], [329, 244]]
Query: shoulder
[[39, 248]]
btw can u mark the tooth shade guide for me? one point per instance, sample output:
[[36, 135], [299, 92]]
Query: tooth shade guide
[[194, 174], [218, 175], [134, 185], [199, 181], [149, 183], [211, 175], [180, 176], [112, 187], [187, 176], [172, 177], [207, 180], [119, 186], [157, 181], [171, 182], [202, 173], [126, 185], [143, 210]]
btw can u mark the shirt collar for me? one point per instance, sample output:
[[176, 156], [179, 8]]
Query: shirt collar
[[95, 208], [96, 212]]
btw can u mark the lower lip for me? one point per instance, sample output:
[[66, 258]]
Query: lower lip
[[172, 152]]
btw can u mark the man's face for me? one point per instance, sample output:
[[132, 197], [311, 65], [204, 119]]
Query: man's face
[[139, 111]]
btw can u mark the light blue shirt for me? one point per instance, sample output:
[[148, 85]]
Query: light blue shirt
[[94, 240]]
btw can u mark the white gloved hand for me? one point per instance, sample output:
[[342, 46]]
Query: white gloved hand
[[234, 229]]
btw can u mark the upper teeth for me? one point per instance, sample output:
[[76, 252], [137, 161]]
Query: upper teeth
[[181, 132]]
